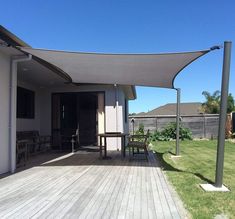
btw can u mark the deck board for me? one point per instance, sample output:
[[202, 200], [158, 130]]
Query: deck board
[[81, 185]]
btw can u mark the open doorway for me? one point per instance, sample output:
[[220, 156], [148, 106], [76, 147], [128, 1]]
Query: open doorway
[[72, 112]]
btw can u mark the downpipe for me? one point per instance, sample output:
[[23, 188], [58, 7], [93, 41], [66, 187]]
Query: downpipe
[[116, 106], [12, 112]]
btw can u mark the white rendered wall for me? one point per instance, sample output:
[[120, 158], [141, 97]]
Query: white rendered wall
[[4, 113], [115, 116]]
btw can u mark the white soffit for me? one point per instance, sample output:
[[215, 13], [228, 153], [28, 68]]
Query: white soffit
[[158, 70]]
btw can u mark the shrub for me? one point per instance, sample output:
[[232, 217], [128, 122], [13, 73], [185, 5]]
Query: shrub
[[158, 136], [140, 130], [169, 133], [185, 133]]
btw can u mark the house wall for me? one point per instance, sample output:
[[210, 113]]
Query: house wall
[[4, 115], [114, 99], [42, 120], [111, 111], [114, 108], [114, 119]]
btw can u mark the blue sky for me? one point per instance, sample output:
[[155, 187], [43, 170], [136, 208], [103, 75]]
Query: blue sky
[[132, 26]]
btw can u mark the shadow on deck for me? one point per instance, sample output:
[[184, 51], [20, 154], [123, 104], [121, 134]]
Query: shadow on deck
[[85, 156]]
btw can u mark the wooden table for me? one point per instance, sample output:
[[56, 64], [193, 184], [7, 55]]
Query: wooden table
[[111, 135]]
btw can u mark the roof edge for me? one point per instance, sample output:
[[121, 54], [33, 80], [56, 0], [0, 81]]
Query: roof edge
[[11, 38]]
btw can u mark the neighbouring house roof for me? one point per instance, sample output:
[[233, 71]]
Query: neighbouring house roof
[[170, 109]]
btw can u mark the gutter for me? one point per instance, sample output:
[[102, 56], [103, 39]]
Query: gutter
[[12, 111], [134, 92]]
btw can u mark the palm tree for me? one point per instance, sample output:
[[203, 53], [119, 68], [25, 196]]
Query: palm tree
[[212, 102]]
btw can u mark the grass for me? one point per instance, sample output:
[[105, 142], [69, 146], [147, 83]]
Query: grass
[[196, 166]]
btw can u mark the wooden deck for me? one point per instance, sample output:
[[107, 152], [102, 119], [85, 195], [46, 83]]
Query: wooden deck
[[82, 186]]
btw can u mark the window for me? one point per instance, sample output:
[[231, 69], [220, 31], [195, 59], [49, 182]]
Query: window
[[25, 103]]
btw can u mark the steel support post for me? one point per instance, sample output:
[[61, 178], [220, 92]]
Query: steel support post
[[223, 114]]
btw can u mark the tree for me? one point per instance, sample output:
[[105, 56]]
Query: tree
[[212, 103], [231, 106]]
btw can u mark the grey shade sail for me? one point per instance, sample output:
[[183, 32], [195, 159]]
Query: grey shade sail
[[157, 70]]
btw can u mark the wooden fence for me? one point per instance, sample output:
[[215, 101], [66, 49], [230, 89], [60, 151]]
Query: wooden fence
[[201, 126]]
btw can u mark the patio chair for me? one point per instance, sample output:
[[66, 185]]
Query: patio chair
[[138, 143], [70, 140]]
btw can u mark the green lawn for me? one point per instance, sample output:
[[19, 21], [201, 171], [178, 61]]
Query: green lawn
[[196, 166]]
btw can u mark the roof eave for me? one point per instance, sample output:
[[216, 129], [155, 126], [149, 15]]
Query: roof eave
[[11, 39]]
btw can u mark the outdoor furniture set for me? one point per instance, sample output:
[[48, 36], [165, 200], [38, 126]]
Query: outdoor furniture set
[[137, 144], [30, 142]]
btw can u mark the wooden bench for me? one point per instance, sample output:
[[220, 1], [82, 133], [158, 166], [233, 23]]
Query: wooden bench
[[35, 142]]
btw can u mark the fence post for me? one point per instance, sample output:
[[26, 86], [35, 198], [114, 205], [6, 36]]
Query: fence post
[[204, 125]]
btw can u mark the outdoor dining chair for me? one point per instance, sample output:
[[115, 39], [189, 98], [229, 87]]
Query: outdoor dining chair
[[137, 144]]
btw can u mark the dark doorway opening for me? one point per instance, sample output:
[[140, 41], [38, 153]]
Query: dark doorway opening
[[74, 113]]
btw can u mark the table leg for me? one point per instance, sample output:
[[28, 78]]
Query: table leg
[[100, 144], [124, 146]]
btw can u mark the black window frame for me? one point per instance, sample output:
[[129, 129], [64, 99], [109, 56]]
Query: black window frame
[[25, 103]]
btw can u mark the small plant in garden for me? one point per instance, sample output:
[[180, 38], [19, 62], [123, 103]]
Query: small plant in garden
[[140, 130]]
